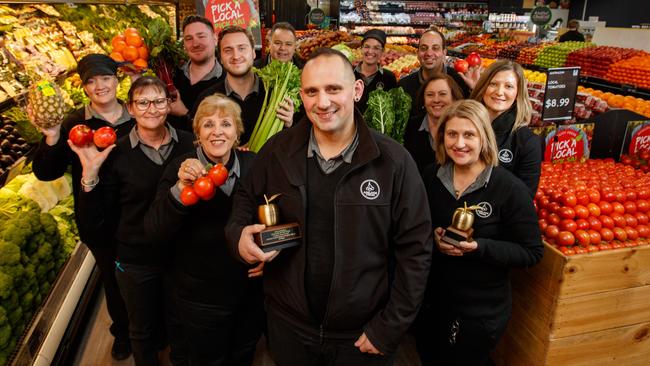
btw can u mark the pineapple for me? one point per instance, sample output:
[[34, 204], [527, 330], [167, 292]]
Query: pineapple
[[45, 104]]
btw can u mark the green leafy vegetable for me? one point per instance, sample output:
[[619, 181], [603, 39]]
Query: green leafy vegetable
[[388, 112]]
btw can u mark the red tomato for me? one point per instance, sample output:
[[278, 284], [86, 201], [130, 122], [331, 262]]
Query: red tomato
[[644, 231], [641, 218], [630, 220], [642, 205], [582, 224], [461, 66], [630, 207], [643, 194], [553, 219], [620, 196], [567, 251], [204, 188], [620, 234], [581, 250], [582, 238], [605, 207], [473, 59], [557, 197], [617, 245], [593, 248], [569, 199], [188, 196], [594, 195], [218, 174], [104, 137], [544, 201], [583, 198], [539, 194], [542, 213], [81, 135], [604, 246], [566, 213], [619, 220], [608, 197], [606, 234], [618, 207], [594, 209], [553, 207], [565, 238], [632, 234], [630, 195], [594, 237], [551, 231], [568, 225], [594, 223], [542, 224], [582, 212], [607, 221]]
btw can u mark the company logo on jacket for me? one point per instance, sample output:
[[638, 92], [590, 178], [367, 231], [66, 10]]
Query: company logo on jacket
[[505, 155], [484, 211], [369, 189]]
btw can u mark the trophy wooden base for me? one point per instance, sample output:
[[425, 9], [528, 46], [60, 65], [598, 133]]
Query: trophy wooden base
[[278, 237], [454, 236]]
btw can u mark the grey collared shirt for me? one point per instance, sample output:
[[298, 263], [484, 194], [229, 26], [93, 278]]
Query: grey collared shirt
[[425, 127], [446, 176], [368, 79], [330, 165], [227, 187], [216, 71], [159, 155], [231, 93], [89, 113]]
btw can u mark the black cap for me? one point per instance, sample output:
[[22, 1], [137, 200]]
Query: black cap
[[96, 64], [376, 34]]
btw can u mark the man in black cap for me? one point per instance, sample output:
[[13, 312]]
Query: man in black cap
[[369, 70], [53, 156]]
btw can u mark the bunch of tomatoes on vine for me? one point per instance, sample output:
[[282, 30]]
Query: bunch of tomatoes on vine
[[593, 206]]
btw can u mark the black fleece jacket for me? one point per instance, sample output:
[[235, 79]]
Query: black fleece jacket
[[51, 162], [520, 152], [411, 84], [204, 272], [379, 217], [127, 187], [506, 230]]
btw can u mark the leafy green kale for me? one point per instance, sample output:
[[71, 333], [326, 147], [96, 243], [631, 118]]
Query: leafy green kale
[[388, 112]]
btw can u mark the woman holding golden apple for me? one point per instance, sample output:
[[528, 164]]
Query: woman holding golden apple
[[468, 300], [218, 302]]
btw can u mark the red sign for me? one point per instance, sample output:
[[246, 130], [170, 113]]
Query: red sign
[[242, 13], [640, 141], [569, 143]]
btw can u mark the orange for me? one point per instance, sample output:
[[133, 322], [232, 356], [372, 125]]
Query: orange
[[117, 56], [130, 53], [143, 52], [118, 46], [119, 37], [131, 31], [133, 40], [140, 64]]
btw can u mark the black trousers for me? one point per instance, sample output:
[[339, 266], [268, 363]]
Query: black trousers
[[288, 348], [219, 335], [452, 339], [105, 260]]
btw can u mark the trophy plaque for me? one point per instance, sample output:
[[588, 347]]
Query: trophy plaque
[[275, 236], [461, 226]]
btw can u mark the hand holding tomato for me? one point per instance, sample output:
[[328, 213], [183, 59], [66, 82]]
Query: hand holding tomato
[[189, 171], [90, 158]]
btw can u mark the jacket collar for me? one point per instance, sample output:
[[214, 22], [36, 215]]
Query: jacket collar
[[293, 154], [503, 124]]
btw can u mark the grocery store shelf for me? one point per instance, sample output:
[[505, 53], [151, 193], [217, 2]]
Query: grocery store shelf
[[118, 2]]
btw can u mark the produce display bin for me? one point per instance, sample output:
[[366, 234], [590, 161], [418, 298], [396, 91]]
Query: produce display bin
[[591, 309]]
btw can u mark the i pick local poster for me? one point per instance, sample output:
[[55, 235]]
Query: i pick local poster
[[637, 138], [224, 13], [569, 143]]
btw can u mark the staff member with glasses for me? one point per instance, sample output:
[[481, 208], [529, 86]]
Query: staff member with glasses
[[117, 192], [369, 70]]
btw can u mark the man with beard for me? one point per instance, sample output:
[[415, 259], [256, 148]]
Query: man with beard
[[282, 46], [236, 48], [200, 72], [432, 51]]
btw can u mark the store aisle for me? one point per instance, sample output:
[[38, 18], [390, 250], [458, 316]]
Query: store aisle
[[95, 348]]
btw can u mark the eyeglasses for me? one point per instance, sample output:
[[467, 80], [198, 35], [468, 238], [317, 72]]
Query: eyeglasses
[[143, 104]]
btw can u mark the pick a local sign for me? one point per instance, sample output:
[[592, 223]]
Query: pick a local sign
[[638, 138], [242, 13], [568, 143]]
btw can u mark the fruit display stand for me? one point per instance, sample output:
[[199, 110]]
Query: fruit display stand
[[590, 309]]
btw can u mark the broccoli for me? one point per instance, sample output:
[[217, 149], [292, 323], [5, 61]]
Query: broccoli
[[6, 285], [5, 335], [9, 253], [16, 316], [27, 302], [30, 273], [11, 302], [18, 229], [49, 225], [3, 317], [41, 272], [43, 253]]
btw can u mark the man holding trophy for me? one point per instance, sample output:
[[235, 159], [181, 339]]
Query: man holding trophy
[[355, 233]]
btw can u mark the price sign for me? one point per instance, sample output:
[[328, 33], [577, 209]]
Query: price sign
[[560, 93]]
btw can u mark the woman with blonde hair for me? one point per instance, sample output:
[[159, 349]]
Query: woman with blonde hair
[[503, 91], [467, 303], [220, 307]]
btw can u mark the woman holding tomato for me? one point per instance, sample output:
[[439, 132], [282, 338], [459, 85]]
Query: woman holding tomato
[[219, 304], [117, 205], [503, 91], [467, 303], [439, 91]]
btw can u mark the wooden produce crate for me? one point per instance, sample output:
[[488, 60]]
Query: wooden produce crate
[[590, 309]]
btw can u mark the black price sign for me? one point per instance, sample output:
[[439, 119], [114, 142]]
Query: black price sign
[[560, 93]]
